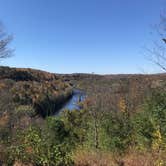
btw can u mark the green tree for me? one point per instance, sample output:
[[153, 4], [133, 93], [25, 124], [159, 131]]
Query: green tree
[[150, 124], [118, 132], [36, 146]]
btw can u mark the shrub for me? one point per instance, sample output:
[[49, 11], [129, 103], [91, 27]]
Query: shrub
[[150, 124], [35, 146], [76, 122], [118, 132]]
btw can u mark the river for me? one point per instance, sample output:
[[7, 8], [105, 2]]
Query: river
[[72, 103]]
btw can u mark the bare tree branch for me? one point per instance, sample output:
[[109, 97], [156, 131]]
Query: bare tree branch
[[5, 39], [157, 55]]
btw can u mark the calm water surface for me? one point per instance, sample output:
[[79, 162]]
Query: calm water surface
[[72, 103]]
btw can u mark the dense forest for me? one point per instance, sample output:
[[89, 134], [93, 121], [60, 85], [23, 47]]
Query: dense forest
[[121, 121]]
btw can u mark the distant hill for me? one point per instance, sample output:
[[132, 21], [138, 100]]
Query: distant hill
[[129, 89], [45, 91], [23, 74]]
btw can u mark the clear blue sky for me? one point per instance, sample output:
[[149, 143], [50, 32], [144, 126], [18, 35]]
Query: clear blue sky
[[67, 36]]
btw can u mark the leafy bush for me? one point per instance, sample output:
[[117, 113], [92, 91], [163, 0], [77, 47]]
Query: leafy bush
[[76, 122], [118, 132], [37, 147], [150, 124]]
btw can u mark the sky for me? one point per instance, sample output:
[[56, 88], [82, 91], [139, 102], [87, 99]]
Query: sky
[[81, 36]]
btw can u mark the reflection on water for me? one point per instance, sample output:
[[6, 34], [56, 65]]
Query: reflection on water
[[72, 103]]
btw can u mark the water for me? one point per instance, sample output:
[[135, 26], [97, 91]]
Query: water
[[72, 103]]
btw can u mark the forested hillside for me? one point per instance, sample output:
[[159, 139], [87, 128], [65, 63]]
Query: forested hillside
[[121, 121]]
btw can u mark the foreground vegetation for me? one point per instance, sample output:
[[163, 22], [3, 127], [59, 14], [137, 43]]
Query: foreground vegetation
[[122, 120]]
